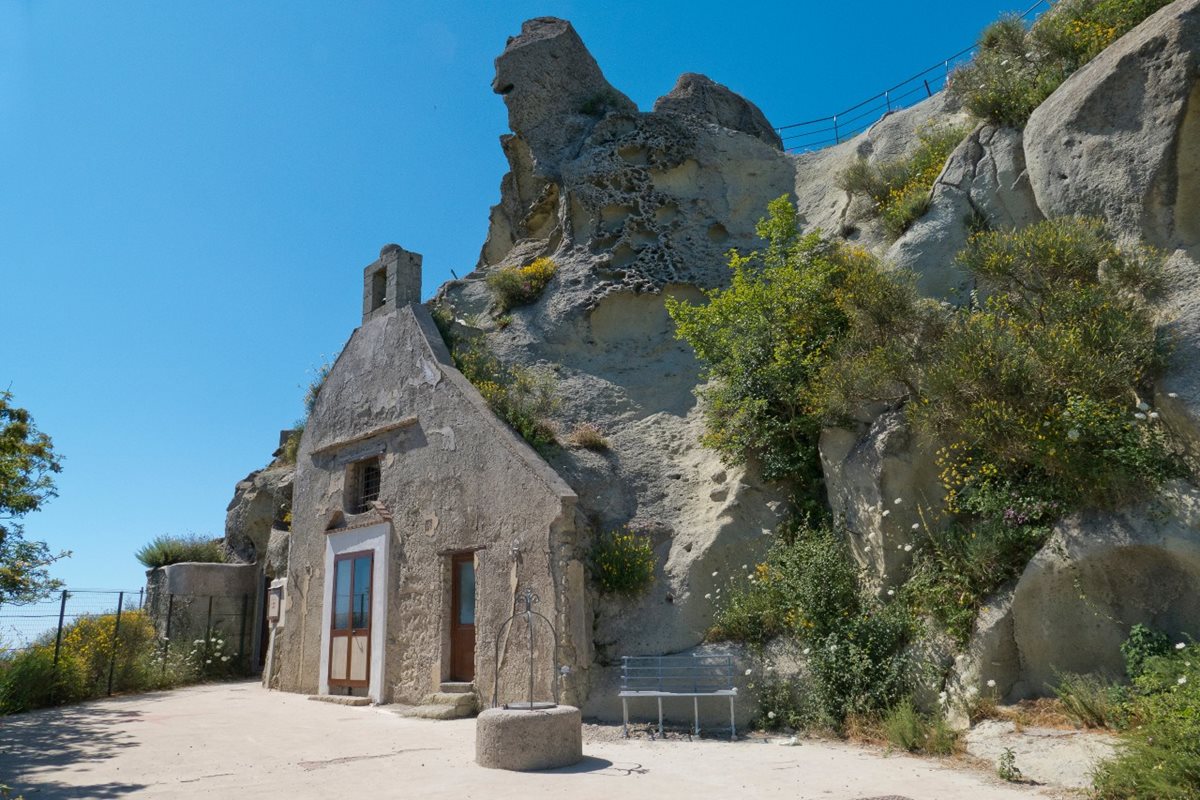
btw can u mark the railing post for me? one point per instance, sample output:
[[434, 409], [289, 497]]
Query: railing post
[[928, 91], [836, 136], [141, 598], [62, 612], [112, 661], [887, 98], [167, 634]]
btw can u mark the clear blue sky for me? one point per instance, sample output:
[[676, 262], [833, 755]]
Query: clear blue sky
[[189, 192]]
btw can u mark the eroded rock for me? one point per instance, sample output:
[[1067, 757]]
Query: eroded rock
[[703, 98]]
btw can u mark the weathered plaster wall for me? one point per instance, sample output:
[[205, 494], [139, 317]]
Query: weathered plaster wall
[[454, 478]]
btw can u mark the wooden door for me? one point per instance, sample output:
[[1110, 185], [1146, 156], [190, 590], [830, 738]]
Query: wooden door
[[462, 618], [350, 623]]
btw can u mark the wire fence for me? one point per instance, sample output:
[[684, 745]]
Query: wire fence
[[121, 632], [817, 134]]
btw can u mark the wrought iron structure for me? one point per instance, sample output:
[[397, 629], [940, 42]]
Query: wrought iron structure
[[529, 598]]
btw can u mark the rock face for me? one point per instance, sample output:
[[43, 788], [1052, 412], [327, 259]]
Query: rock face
[[1119, 138], [703, 98], [881, 480], [260, 502], [984, 182], [1099, 574], [554, 90], [637, 208]]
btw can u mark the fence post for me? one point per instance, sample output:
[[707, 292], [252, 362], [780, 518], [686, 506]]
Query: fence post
[[141, 598], [242, 650], [928, 91], [112, 661], [887, 98], [167, 634], [836, 136], [62, 612]]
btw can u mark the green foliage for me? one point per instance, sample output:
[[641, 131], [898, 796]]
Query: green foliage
[[622, 562], [523, 398], [27, 467], [1006, 766], [520, 286], [29, 680], [1091, 701], [291, 448], [169, 549], [783, 704], [313, 391], [1016, 68], [908, 729], [1033, 393], [768, 339], [1143, 644], [1160, 753], [959, 566], [809, 588], [899, 190]]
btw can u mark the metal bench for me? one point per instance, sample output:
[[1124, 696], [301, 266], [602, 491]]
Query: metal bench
[[693, 676]]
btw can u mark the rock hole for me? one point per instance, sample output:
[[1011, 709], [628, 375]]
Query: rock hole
[[634, 154], [665, 213], [622, 255], [615, 213], [717, 232], [505, 89]]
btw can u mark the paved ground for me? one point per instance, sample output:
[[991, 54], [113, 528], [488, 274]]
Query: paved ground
[[238, 740]]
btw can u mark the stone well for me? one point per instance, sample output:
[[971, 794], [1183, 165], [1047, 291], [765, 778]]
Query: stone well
[[515, 739]]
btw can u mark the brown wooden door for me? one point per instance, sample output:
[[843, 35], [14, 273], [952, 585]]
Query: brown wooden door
[[462, 618], [350, 623]]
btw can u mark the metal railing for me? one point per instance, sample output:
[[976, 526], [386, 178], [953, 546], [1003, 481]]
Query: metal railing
[[816, 134]]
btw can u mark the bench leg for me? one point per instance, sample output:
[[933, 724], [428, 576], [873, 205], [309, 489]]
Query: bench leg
[[625, 715], [696, 713], [732, 726], [660, 732]]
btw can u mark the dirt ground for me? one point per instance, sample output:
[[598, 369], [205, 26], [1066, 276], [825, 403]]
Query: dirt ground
[[239, 740]]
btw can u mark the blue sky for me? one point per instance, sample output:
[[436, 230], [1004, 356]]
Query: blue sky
[[189, 192]]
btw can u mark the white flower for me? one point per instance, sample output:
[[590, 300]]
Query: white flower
[[1182, 680], [1143, 406], [891, 592], [941, 697], [714, 573], [708, 596], [1073, 434], [1180, 646], [807, 650], [224, 658], [745, 567], [198, 641], [1046, 424], [1153, 415], [1172, 395], [770, 715], [1139, 415], [886, 513], [899, 547], [908, 548], [867, 549], [916, 526], [991, 684], [749, 671], [208, 661], [1004, 63], [898, 501]]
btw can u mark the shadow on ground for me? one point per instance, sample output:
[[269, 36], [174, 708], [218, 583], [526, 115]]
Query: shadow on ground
[[36, 747]]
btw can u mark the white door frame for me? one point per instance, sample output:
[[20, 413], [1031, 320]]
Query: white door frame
[[375, 539]]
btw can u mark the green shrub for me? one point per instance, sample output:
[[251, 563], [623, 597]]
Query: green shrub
[[1160, 752], [168, 549], [1143, 644], [908, 729], [1006, 766], [1015, 68], [900, 190], [623, 562], [30, 680], [783, 704], [1032, 393], [958, 567], [863, 667], [94, 643], [1091, 701], [519, 286]]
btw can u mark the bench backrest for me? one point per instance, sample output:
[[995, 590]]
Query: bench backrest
[[694, 673]]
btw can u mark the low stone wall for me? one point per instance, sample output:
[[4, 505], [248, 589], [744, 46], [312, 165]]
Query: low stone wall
[[193, 601]]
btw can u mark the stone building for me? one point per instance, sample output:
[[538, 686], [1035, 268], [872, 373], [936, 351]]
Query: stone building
[[418, 518]]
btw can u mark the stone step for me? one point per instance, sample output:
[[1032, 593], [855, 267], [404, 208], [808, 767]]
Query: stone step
[[441, 711], [449, 699], [457, 687], [341, 699]]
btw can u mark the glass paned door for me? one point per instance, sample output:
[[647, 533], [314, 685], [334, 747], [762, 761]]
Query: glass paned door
[[350, 622], [462, 617]]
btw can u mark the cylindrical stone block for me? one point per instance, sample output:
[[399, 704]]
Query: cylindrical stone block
[[528, 740]]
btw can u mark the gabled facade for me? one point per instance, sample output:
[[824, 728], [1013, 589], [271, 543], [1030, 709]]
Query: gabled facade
[[417, 518]]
